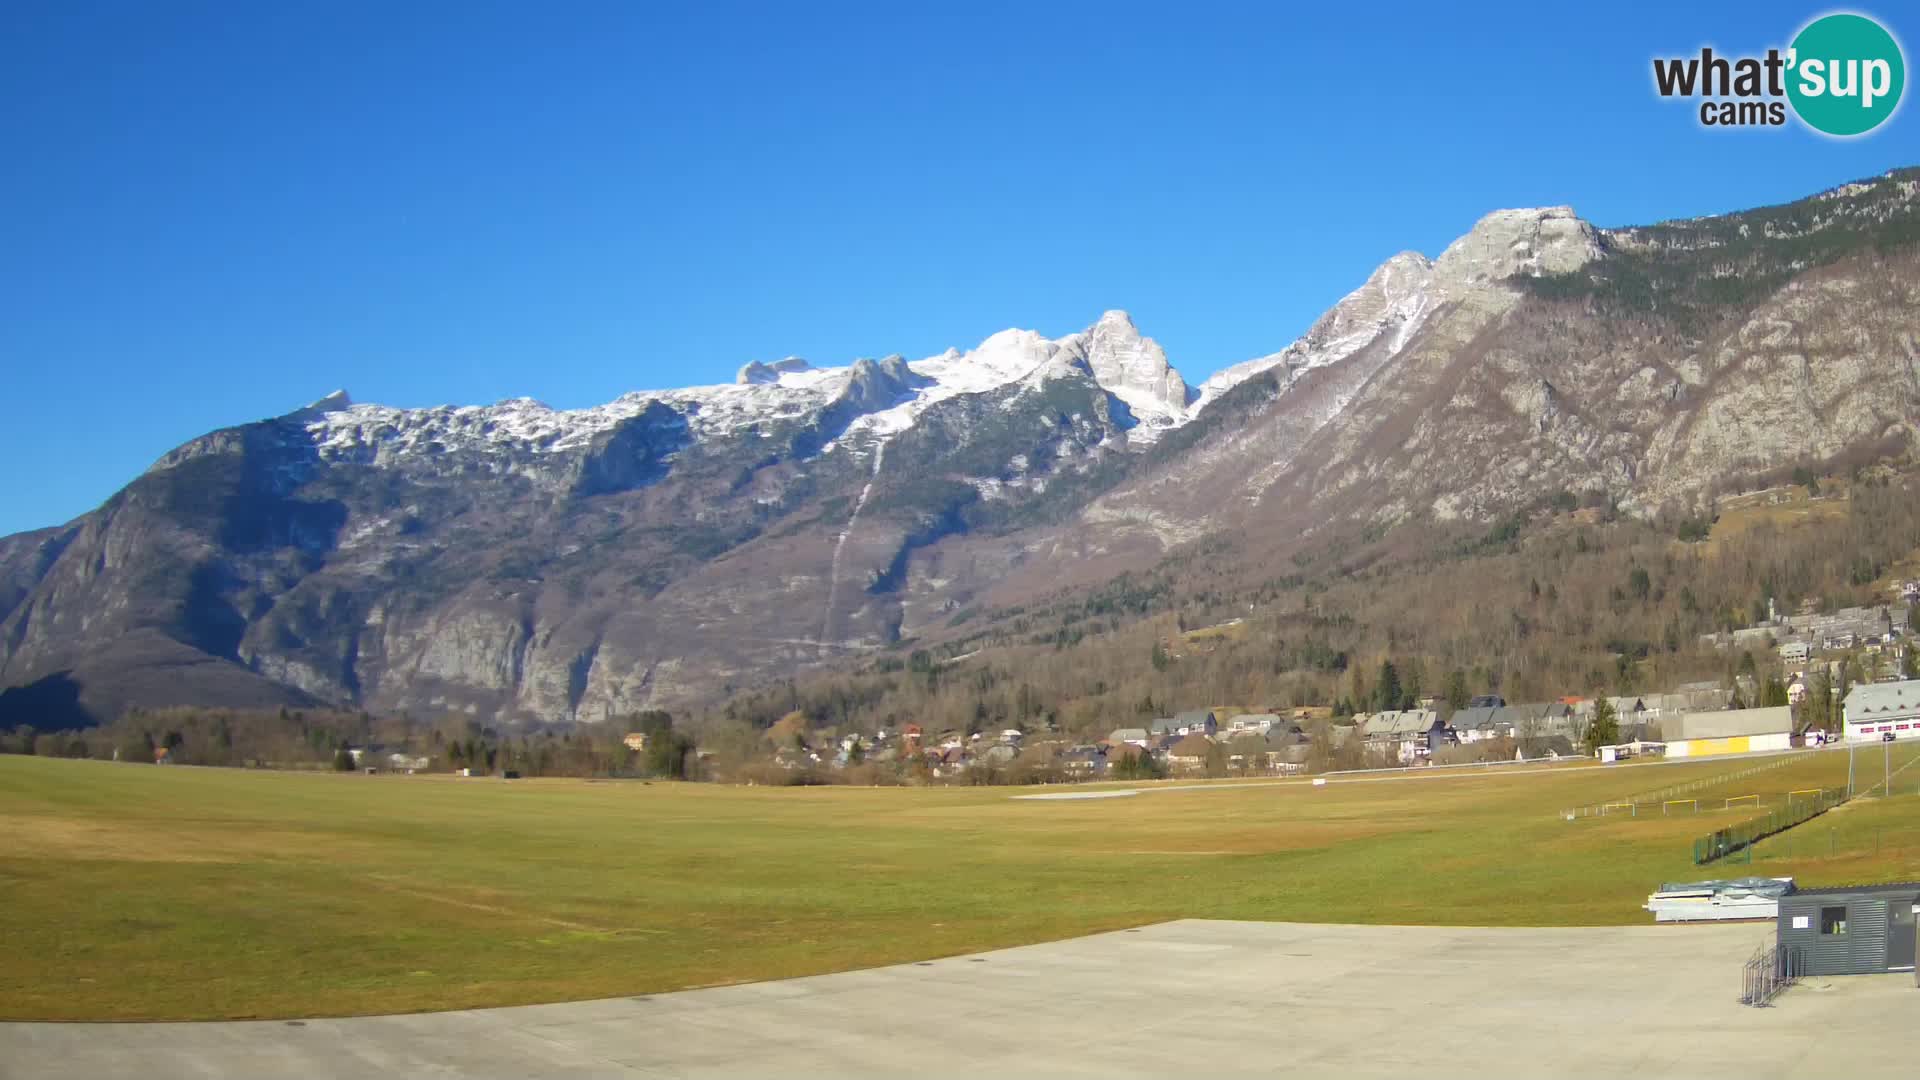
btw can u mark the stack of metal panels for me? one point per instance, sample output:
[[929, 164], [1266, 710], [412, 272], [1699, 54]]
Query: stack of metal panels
[[1702, 901]]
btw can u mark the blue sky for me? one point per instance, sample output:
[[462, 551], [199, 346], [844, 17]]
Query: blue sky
[[211, 213]]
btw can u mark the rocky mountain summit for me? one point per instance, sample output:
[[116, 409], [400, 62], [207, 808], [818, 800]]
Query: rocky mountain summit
[[519, 561]]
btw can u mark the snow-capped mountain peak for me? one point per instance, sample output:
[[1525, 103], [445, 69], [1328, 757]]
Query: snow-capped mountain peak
[[1134, 369], [888, 396], [1396, 298]]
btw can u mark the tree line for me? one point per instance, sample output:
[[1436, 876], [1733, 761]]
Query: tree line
[[327, 739]]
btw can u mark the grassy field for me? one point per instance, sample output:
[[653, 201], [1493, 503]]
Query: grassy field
[[141, 892], [1744, 513]]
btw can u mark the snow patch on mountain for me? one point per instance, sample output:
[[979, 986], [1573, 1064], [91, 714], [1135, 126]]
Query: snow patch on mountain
[[888, 396], [1402, 292], [1396, 299]]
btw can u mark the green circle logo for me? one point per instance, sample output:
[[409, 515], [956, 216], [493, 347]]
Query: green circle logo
[[1846, 74]]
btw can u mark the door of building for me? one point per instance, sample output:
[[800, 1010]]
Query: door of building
[[1900, 935]]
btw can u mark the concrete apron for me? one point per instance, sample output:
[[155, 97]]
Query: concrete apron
[[1183, 998]]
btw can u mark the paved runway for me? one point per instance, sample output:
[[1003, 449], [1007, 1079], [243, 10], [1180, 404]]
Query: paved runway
[[1190, 998]]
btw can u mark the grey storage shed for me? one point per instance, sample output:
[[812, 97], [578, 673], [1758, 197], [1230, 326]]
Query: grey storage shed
[[1850, 930]]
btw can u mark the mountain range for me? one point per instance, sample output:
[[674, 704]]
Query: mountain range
[[517, 562]]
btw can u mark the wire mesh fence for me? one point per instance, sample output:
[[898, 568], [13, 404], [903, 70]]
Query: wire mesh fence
[[1721, 843]]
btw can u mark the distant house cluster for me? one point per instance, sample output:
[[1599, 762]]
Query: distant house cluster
[[1192, 741], [1693, 720], [1811, 643], [1807, 634], [1197, 741], [945, 754], [371, 757], [1411, 737], [1549, 729]]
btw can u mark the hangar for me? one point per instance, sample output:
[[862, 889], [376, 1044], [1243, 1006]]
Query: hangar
[[1729, 731]]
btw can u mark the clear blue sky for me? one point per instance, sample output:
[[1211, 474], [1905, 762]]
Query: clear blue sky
[[211, 213]]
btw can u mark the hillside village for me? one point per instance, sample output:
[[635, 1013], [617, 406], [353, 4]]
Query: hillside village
[[1819, 658], [1797, 679]]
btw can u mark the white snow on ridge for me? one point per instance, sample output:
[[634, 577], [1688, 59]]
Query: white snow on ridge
[[1404, 291], [1134, 369], [1391, 306], [1397, 298], [1005, 358]]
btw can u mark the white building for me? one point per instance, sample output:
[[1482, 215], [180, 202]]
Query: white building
[[1881, 709], [1258, 723]]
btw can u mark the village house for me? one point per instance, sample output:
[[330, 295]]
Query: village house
[[1083, 762], [1408, 735], [1546, 748], [1131, 736], [1475, 723], [1472, 725], [1196, 722], [1702, 696], [1247, 752], [1549, 720], [1277, 751], [999, 754], [946, 761], [1190, 753], [850, 746], [1630, 713], [1259, 723]]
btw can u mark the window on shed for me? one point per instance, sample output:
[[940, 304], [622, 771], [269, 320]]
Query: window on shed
[[1833, 920]]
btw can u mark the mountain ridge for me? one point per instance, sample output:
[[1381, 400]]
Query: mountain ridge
[[514, 561]]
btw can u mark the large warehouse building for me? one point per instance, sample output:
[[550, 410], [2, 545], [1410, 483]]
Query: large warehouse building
[[1876, 710], [1729, 731]]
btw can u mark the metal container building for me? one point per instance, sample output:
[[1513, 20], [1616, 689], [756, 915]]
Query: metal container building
[[1850, 930]]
